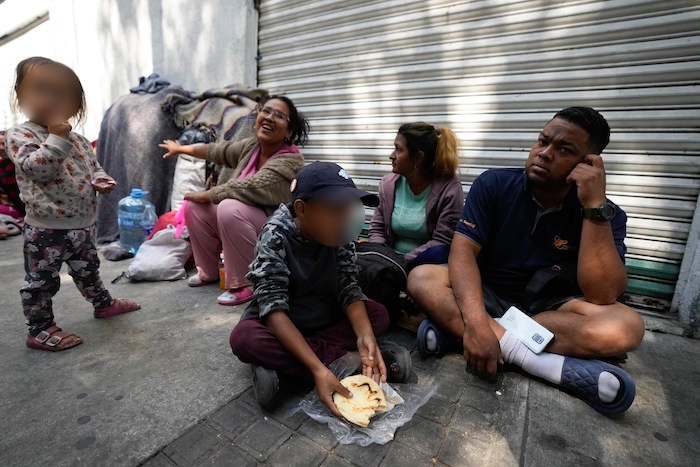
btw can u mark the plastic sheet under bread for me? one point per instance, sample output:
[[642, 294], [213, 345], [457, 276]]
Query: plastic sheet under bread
[[403, 400]]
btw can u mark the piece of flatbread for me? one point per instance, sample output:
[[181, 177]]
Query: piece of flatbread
[[366, 401]]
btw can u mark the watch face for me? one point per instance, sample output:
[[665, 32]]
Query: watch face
[[607, 211]]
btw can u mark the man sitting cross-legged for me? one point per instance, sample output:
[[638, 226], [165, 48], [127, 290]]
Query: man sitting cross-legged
[[521, 235]]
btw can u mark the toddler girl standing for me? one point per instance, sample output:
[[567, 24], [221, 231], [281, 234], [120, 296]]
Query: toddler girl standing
[[58, 175]]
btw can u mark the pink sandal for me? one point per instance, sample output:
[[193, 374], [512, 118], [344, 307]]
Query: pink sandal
[[53, 339], [235, 297], [119, 306], [197, 281]]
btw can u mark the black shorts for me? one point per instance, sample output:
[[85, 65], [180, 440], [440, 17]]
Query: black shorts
[[496, 305]]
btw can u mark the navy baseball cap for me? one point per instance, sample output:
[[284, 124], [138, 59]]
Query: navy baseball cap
[[329, 182]]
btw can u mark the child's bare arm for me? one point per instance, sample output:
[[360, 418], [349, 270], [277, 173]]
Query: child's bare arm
[[292, 340], [353, 300], [372, 361]]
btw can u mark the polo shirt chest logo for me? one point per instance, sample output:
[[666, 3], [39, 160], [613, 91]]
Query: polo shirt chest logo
[[561, 244]]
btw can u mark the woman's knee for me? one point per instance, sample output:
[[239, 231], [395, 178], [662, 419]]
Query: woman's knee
[[191, 209], [234, 213], [196, 214], [232, 208]]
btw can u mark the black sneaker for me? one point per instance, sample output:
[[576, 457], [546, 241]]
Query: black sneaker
[[266, 386], [397, 359]]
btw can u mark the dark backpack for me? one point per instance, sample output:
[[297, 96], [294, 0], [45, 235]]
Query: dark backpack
[[382, 274], [199, 133]]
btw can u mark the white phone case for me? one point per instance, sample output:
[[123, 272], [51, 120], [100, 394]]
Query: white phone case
[[527, 330]]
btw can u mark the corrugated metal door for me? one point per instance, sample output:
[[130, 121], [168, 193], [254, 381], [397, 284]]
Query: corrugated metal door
[[496, 71]]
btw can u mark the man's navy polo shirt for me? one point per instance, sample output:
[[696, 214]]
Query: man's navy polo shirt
[[517, 237]]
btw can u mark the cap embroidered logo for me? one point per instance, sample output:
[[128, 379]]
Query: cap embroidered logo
[[344, 174]]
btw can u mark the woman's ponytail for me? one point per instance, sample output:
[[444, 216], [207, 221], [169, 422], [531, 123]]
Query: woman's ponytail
[[439, 146], [446, 153]]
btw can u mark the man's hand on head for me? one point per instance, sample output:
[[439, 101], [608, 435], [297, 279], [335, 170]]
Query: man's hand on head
[[589, 178]]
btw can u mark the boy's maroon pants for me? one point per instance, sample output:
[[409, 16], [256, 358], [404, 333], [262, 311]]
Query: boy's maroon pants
[[253, 342]]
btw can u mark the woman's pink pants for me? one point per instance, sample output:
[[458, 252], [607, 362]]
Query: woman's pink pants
[[231, 226]]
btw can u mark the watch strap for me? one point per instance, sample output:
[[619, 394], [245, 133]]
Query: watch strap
[[604, 213]]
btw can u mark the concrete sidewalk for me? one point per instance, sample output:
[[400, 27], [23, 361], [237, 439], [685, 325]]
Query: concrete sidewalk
[[161, 387]]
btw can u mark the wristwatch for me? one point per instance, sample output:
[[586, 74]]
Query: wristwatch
[[605, 213]]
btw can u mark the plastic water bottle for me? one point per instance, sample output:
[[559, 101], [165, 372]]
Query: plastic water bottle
[[136, 216], [149, 218]]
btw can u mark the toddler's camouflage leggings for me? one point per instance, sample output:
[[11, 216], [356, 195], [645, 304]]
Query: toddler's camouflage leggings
[[45, 250]]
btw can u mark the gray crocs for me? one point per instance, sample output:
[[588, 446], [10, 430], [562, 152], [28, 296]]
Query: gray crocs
[[580, 377]]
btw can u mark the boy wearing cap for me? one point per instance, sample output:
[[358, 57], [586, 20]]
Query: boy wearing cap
[[308, 309]]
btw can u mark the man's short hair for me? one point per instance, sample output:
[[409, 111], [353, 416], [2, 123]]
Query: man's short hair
[[590, 120]]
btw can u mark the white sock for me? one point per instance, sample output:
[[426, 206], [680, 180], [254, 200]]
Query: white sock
[[608, 386], [545, 365], [431, 340], [548, 366]]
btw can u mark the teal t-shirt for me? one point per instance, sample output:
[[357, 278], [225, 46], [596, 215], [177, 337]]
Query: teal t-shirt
[[408, 220]]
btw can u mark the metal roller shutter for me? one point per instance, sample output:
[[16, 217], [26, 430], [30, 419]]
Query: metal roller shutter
[[495, 71]]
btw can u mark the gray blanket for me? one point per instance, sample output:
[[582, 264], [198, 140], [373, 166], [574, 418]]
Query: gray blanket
[[128, 150]]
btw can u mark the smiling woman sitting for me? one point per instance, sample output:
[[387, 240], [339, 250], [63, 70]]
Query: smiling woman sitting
[[229, 216]]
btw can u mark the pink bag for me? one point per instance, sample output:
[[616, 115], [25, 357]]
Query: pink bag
[[172, 218]]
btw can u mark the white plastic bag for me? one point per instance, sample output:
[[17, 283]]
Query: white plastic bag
[[403, 400], [189, 176], [162, 258]]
